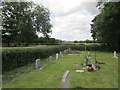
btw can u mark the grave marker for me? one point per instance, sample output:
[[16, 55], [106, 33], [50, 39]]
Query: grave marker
[[50, 57], [57, 56], [60, 54], [64, 52], [115, 55], [38, 64], [69, 50], [66, 80]]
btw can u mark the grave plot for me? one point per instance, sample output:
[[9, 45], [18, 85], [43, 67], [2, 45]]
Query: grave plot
[[91, 66], [75, 53]]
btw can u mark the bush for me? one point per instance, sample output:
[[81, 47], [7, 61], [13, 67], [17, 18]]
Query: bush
[[14, 58]]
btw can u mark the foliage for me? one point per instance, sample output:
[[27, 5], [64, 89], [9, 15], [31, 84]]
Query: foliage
[[14, 58], [47, 41], [92, 47], [22, 21], [106, 27]]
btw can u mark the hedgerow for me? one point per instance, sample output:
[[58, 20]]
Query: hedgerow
[[15, 58], [91, 48]]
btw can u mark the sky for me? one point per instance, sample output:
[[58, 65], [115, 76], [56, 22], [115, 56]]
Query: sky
[[71, 18]]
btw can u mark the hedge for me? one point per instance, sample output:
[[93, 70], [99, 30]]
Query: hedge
[[91, 48], [14, 58]]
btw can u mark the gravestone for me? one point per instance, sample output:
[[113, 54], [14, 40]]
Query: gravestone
[[66, 80], [60, 54], [69, 50], [64, 52], [38, 64], [50, 58], [56, 56], [115, 56]]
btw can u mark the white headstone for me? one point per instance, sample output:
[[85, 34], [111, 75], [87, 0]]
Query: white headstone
[[115, 56], [38, 64], [60, 55], [66, 80], [57, 56]]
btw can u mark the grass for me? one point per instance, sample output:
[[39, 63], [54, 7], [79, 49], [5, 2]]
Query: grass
[[0, 82], [51, 75]]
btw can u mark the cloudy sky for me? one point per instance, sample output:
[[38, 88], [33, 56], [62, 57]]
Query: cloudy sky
[[70, 18]]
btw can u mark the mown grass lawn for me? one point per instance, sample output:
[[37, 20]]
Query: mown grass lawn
[[51, 75]]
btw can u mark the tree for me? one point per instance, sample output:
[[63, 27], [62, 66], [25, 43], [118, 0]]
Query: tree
[[41, 20], [106, 27], [23, 20]]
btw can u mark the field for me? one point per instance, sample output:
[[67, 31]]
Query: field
[[86, 43], [51, 75]]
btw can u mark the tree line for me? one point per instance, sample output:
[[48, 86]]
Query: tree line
[[105, 26], [23, 21]]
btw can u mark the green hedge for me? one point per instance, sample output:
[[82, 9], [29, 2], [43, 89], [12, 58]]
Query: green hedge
[[91, 48], [14, 58]]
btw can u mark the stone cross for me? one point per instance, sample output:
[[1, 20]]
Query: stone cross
[[57, 56], [66, 80], [38, 64], [115, 56]]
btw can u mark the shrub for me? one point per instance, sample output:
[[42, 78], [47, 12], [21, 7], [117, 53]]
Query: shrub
[[14, 58]]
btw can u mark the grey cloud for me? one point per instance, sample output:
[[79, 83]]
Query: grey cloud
[[84, 7]]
